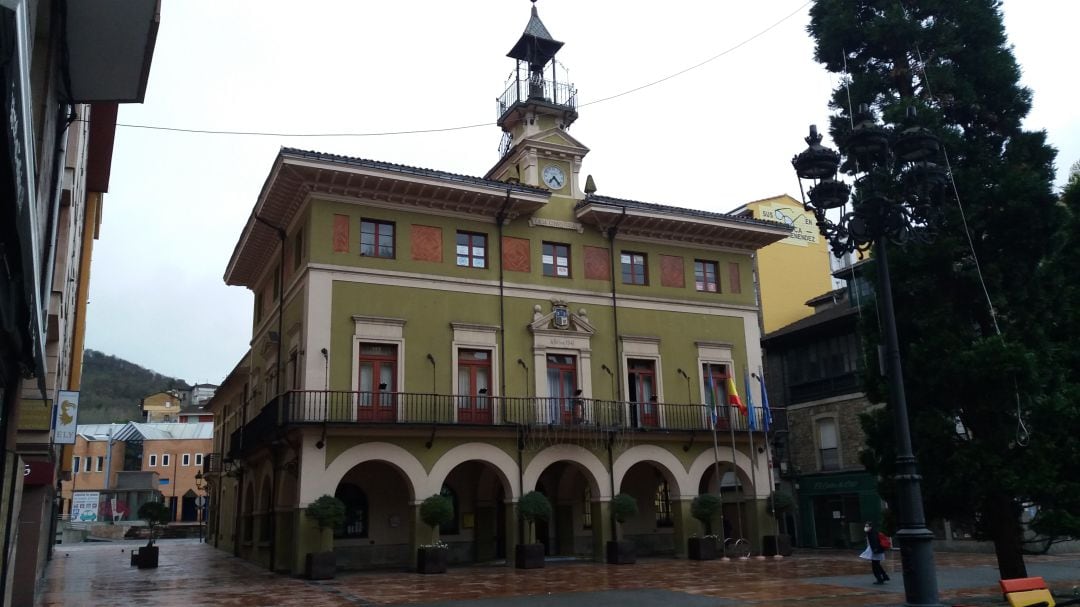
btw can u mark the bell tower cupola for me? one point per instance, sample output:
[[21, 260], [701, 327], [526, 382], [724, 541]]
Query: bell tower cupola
[[536, 108]]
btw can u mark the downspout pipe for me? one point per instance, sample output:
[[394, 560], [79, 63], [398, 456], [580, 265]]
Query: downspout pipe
[[500, 218], [277, 384]]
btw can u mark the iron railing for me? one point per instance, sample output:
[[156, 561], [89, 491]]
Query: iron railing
[[212, 463], [521, 89]]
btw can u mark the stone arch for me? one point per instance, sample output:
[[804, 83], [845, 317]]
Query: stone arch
[[586, 461], [399, 458], [707, 458], [664, 460], [498, 460]]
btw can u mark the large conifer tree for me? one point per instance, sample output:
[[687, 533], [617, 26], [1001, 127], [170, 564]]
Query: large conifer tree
[[951, 59]]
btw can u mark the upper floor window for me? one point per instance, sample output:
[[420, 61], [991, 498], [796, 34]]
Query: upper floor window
[[634, 268], [152, 461], [75, 464], [185, 460], [99, 464], [556, 260], [705, 276], [198, 459], [376, 238], [165, 460], [471, 250], [828, 444]]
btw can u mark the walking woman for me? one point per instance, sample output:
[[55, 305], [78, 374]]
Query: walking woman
[[875, 553]]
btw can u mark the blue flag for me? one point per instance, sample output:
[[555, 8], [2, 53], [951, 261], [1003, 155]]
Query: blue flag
[[766, 412], [752, 419]]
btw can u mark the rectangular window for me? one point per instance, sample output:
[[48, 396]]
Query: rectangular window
[[198, 459], [471, 250], [828, 444], [556, 260], [75, 464], [165, 460], [153, 460], [634, 268], [662, 506], [298, 248], [376, 239], [705, 276], [185, 460], [735, 282], [99, 464]]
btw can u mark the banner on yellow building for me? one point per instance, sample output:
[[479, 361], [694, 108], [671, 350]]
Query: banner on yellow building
[[67, 418], [804, 230]]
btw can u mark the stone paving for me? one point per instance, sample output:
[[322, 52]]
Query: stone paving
[[192, 574]]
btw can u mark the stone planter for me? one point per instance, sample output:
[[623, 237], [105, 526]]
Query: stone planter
[[431, 560], [702, 548], [621, 553], [529, 556], [774, 544], [147, 558], [320, 565]]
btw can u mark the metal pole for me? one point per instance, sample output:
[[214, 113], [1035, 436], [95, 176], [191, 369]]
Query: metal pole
[[753, 482], [916, 551], [735, 471], [719, 488]]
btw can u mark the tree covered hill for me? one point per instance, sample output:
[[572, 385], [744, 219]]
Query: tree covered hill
[[112, 388]]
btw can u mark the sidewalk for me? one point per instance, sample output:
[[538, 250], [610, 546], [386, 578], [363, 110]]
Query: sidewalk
[[194, 574]]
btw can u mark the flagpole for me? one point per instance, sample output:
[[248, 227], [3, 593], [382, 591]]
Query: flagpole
[[719, 487], [750, 427], [716, 458], [735, 472], [765, 417]]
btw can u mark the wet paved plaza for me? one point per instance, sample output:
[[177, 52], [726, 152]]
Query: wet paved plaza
[[193, 574]]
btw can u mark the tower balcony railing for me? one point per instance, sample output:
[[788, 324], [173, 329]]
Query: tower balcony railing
[[520, 90], [318, 407]]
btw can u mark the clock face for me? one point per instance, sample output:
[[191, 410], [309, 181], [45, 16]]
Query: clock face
[[553, 177]]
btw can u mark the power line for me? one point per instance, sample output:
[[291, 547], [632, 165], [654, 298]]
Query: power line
[[466, 126]]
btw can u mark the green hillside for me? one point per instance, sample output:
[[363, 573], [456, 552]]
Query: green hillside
[[112, 388]]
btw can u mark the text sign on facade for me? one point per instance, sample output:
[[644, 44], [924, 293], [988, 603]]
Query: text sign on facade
[[84, 506], [804, 229], [67, 418], [35, 414]]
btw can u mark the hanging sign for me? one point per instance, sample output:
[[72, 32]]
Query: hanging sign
[[66, 420]]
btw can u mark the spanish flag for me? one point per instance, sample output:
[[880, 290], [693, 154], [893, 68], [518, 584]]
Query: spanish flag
[[733, 396]]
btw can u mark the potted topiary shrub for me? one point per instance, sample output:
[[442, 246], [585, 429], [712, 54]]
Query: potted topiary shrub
[[155, 514], [434, 511], [619, 551], [780, 502], [704, 508], [534, 506], [328, 512]]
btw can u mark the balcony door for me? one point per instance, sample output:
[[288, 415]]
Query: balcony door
[[642, 391], [376, 401], [562, 387], [474, 387], [715, 377]]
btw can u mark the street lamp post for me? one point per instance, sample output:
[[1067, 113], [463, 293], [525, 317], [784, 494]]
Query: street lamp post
[[200, 483], [896, 195]]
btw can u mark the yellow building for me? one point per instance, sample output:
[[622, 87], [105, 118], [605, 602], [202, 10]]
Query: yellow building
[[792, 271], [161, 407], [420, 333]]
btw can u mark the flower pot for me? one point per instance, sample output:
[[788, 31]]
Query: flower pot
[[702, 548], [529, 556], [621, 553], [148, 557], [431, 560], [320, 565], [776, 544]]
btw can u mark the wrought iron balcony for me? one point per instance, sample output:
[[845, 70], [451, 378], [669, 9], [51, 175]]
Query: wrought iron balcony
[[403, 408], [523, 89], [212, 463]]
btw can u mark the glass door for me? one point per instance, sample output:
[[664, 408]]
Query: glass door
[[715, 377], [377, 383], [474, 387], [642, 392], [562, 388]]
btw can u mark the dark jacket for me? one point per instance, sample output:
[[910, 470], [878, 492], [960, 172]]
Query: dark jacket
[[872, 539]]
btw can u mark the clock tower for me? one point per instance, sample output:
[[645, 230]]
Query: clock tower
[[535, 111]]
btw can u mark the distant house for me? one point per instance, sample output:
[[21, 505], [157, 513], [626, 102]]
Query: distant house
[[191, 414], [161, 407]]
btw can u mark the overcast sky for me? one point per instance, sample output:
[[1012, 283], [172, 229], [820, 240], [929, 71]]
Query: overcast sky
[[713, 138]]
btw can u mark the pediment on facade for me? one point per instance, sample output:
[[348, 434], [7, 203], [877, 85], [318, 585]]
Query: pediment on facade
[[557, 137]]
